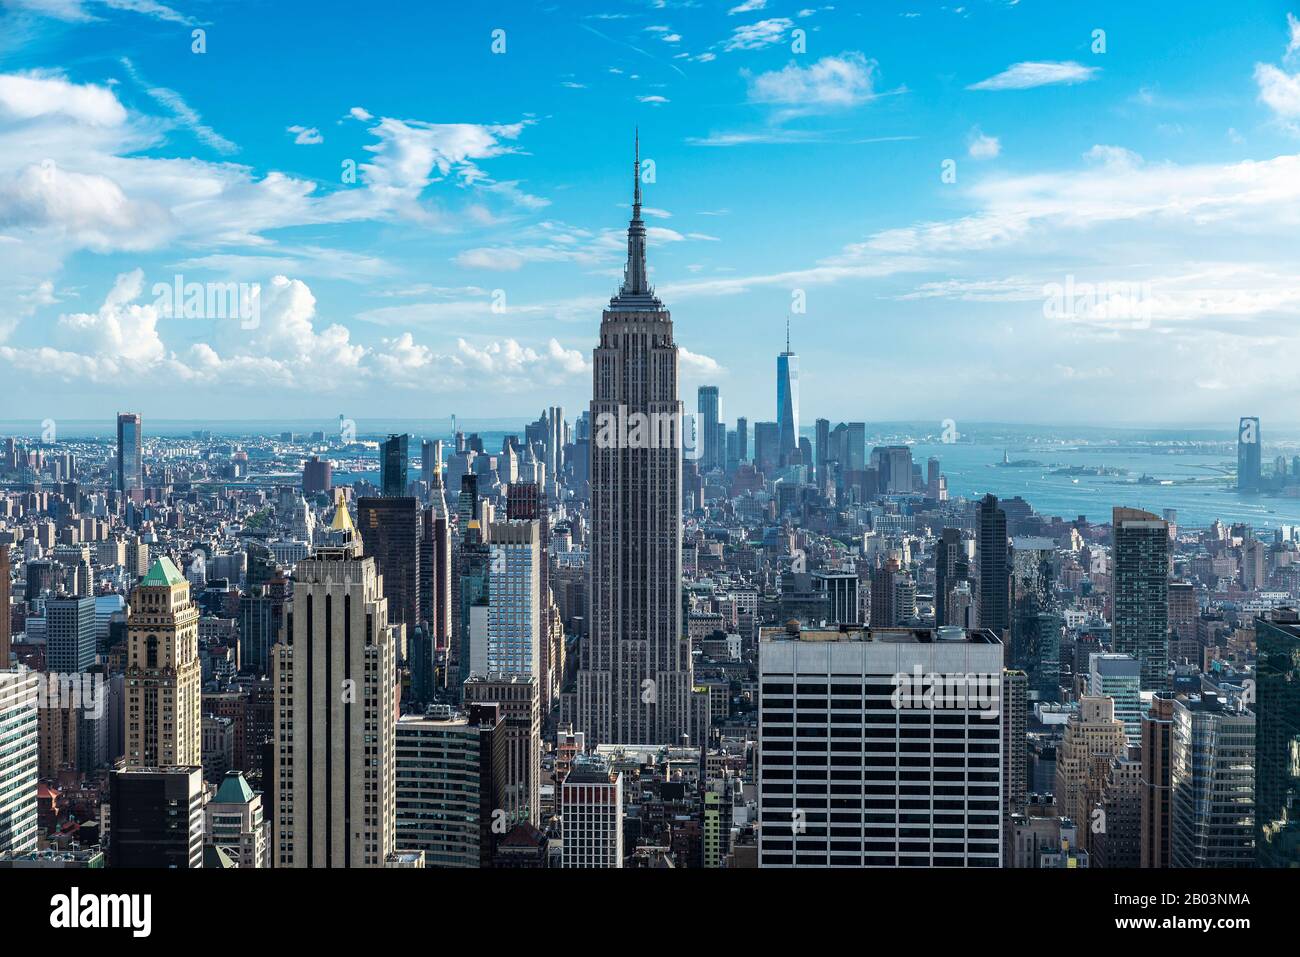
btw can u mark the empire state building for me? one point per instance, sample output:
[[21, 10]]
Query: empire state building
[[634, 678]]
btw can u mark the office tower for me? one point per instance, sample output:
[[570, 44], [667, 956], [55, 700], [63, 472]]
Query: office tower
[[391, 530], [823, 439], [1183, 612], [163, 676], [708, 425], [1140, 622], [157, 817], [130, 461], [1157, 744], [430, 460], [904, 599], [6, 587], [448, 771], [19, 760], [235, 824], [467, 502], [137, 558], [69, 634], [591, 823], [515, 625], [518, 698], [435, 575], [634, 681], [394, 456], [1093, 738], [787, 402], [994, 572], [767, 447], [1249, 448], [893, 464], [1212, 783], [317, 476], [842, 706], [950, 564], [1015, 751], [1117, 821], [742, 439], [883, 595], [1277, 739], [1042, 640], [334, 675], [841, 590], [1117, 676], [932, 477], [261, 616]]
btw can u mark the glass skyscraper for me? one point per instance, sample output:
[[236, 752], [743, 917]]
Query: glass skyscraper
[[130, 467], [787, 402], [1277, 739]]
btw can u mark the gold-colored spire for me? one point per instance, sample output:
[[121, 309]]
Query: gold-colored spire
[[342, 520]]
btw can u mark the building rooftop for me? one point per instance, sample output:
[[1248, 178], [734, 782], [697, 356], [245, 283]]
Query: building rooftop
[[793, 631], [163, 572]]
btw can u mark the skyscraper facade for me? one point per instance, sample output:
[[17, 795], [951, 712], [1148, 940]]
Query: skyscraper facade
[[19, 760], [1277, 739], [708, 424], [334, 675], [163, 676], [394, 456], [787, 403], [1140, 621], [130, 462], [634, 682], [69, 634], [391, 529], [994, 567]]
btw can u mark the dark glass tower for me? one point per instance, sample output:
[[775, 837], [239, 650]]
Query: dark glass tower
[[634, 678], [1277, 740], [393, 459], [130, 464], [994, 569]]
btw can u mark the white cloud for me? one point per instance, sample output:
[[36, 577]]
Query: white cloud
[[306, 136], [983, 146], [749, 6], [655, 99], [833, 82], [755, 36], [1023, 76], [27, 96]]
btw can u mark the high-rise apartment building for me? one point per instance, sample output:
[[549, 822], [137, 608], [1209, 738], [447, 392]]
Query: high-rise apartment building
[[164, 692], [591, 823], [69, 634], [634, 680], [19, 760], [860, 767], [709, 411], [334, 676], [6, 611], [1140, 621], [515, 623]]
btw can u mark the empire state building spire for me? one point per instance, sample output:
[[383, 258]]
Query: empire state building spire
[[635, 291]]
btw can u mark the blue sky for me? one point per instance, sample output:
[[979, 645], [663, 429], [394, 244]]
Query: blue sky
[[920, 177]]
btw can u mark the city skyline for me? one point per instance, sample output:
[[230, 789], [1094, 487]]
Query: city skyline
[[466, 259]]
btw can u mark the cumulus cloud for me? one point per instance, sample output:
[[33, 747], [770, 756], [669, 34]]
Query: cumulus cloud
[[755, 36], [833, 82], [983, 146], [306, 136]]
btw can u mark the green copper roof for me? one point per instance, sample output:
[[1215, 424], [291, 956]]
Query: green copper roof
[[233, 790], [163, 572]]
